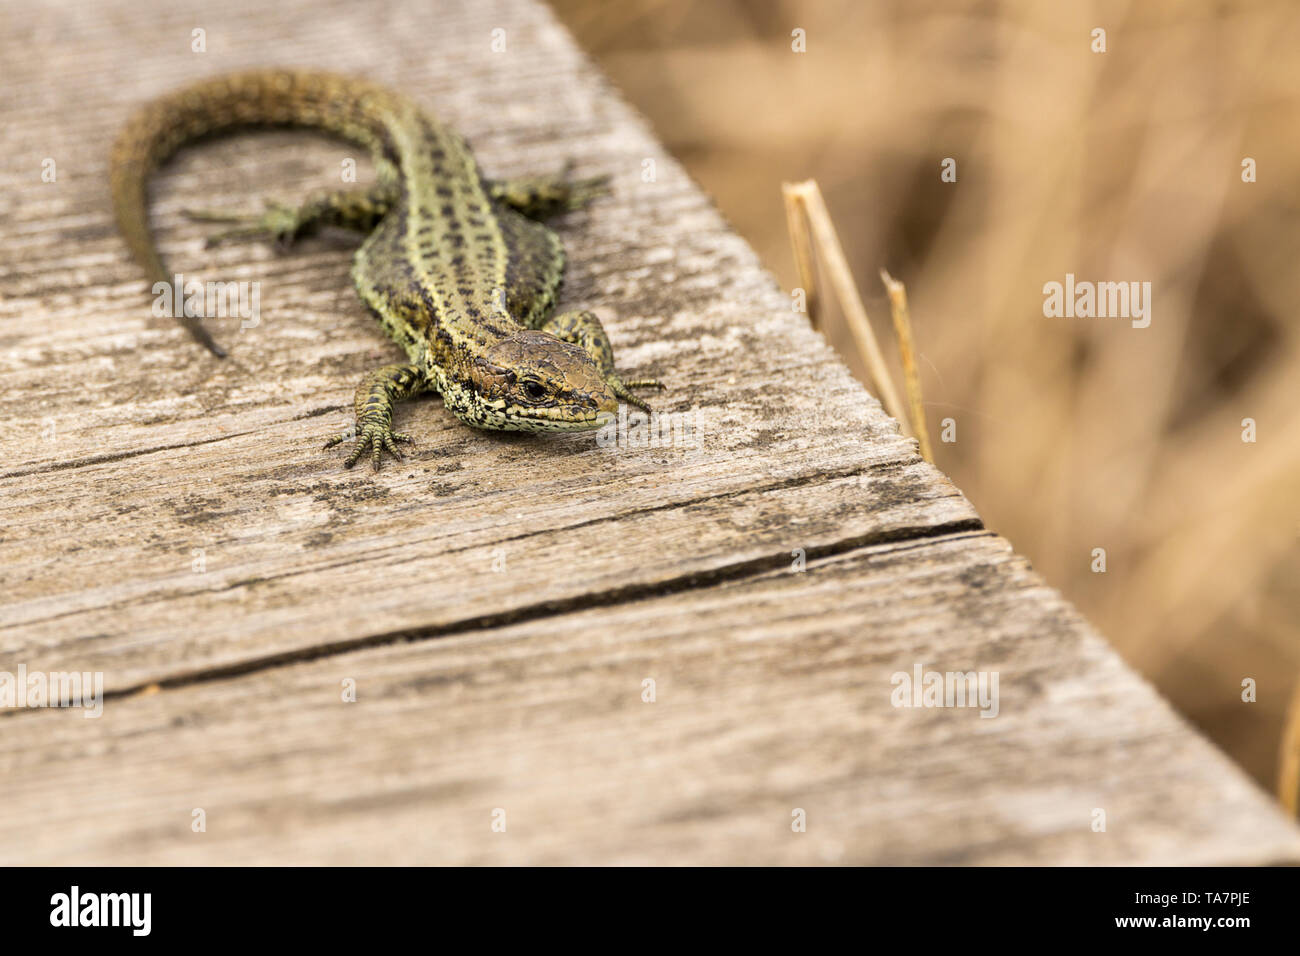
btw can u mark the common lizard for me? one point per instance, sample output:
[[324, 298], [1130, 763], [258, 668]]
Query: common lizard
[[460, 269]]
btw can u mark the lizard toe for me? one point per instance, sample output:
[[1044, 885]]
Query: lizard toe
[[623, 390], [374, 439]]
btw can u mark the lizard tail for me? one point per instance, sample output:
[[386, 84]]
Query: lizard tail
[[356, 111]]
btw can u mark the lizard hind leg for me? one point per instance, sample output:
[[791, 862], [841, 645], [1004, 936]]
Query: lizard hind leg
[[584, 330], [278, 223], [358, 208]]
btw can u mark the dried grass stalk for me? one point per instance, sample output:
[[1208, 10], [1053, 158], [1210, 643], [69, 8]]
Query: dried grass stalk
[[911, 380], [1288, 759], [796, 218], [840, 277]]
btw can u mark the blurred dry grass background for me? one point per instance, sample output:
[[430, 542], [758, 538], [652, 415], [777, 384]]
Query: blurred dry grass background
[[1072, 434]]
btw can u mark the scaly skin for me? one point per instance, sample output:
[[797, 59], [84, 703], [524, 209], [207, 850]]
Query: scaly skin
[[459, 269]]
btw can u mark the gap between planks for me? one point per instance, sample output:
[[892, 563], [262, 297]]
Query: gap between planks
[[905, 537]]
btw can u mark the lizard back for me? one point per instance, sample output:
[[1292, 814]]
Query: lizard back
[[449, 271]]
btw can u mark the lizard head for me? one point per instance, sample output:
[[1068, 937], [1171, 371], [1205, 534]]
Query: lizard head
[[536, 382]]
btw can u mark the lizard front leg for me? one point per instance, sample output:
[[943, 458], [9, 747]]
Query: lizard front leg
[[375, 397], [358, 208], [540, 197], [584, 330]]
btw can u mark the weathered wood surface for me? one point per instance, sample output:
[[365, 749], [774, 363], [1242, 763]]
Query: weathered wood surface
[[125, 450]]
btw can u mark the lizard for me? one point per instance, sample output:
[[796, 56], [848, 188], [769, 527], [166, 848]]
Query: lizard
[[460, 269]]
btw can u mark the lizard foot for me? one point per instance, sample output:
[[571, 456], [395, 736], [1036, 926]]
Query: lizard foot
[[579, 192], [540, 197], [278, 223], [583, 191], [376, 436], [623, 390]]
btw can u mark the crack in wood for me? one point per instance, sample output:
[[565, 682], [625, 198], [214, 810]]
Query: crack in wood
[[725, 574]]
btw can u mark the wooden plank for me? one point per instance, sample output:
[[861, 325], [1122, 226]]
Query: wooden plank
[[760, 709], [135, 458]]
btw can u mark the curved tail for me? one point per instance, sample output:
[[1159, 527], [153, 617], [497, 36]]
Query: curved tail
[[356, 110]]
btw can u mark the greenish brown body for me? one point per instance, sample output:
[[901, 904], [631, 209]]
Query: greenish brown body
[[459, 269]]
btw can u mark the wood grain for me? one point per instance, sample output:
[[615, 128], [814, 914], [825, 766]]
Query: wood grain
[[171, 521], [760, 709]]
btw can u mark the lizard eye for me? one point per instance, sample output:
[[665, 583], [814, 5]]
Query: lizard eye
[[535, 390]]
